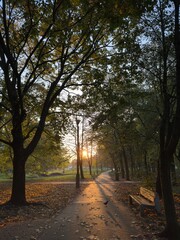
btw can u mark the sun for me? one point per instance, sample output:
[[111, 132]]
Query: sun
[[84, 153]]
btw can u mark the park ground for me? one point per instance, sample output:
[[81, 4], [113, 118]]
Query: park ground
[[48, 198]]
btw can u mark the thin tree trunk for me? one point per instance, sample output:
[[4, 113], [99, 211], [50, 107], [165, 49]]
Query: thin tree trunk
[[121, 165], [116, 173], [82, 145], [81, 169], [97, 172], [115, 167], [132, 162], [78, 156], [145, 162], [126, 163], [90, 168]]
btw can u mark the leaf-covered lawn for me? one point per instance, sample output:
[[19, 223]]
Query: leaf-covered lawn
[[46, 199]]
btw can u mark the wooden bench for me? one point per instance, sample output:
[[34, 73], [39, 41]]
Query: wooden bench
[[146, 199]]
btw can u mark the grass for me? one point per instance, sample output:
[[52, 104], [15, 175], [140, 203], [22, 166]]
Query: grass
[[68, 176], [4, 177], [63, 178]]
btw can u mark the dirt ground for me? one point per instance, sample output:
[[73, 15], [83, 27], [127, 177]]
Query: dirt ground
[[47, 198]]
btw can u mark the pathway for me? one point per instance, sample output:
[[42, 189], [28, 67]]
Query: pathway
[[86, 218]]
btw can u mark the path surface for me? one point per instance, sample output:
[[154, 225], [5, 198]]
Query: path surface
[[87, 217]]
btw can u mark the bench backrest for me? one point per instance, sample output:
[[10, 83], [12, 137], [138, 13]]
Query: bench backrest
[[148, 194]]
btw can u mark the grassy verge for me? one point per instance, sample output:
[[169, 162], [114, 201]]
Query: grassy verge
[[69, 176]]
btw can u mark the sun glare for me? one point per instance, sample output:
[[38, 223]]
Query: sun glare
[[85, 153]]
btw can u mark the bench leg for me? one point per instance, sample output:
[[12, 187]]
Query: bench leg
[[130, 200], [141, 210]]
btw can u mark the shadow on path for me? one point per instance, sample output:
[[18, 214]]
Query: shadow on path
[[87, 217]]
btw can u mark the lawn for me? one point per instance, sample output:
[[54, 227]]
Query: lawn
[[68, 176]]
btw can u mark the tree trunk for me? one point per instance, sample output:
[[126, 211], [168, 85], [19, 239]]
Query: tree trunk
[[173, 172], [132, 162], [167, 149], [115, 165], [145, 162], [121, 165], [115, 168], [78, 156], [116, 174], [18, 195], [82, 143], [158, 181], [97, 172], [81, 169], [126, 163], [172, 230], [90, 168]]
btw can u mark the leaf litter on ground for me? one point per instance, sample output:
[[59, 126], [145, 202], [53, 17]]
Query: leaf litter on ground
[[44, 200], [151, 223], [47, 199]]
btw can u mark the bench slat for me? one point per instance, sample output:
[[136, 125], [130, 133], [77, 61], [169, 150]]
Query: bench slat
[[148, 194], [141, 200]]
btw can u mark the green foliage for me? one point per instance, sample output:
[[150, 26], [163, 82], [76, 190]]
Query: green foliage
[[49, 154], [5, 160]]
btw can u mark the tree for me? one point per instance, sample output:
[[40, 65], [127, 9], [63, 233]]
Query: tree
[[82, 145], [42, 45], [162, 71], [169, 138]]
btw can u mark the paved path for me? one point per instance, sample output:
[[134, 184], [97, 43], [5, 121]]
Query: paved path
[[86, 218]]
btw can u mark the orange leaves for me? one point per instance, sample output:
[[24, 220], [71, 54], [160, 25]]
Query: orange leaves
[[45, 200]]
